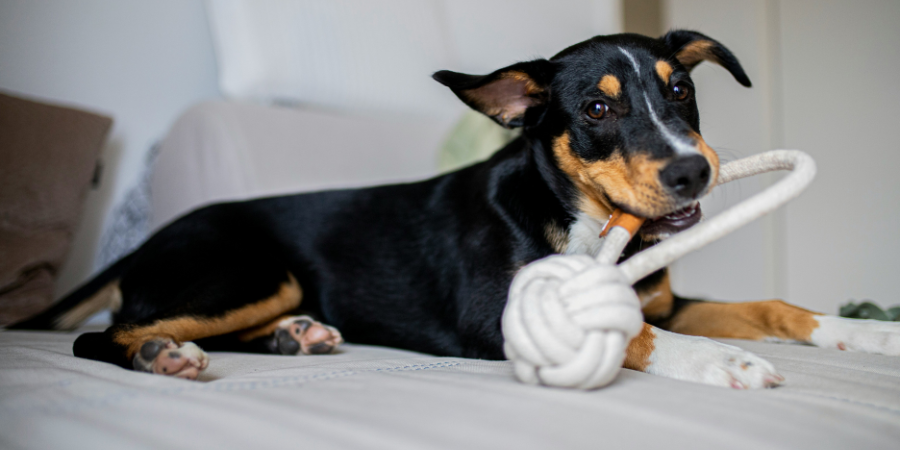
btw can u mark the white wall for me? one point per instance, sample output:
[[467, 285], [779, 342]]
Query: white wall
[[824, 82], [141, 62]]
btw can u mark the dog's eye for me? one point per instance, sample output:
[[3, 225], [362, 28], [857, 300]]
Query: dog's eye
[[597, 110], [681, 91]]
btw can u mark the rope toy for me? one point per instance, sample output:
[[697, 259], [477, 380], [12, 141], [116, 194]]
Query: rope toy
[[569, 318]]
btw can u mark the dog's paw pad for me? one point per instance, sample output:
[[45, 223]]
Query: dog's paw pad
[[740, 369], [165, 357], [302, 334]]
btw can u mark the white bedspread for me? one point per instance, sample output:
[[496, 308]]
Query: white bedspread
[[373, 398]]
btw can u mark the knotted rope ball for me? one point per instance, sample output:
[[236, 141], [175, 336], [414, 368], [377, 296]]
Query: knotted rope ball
[[569, 318], [568, 321]]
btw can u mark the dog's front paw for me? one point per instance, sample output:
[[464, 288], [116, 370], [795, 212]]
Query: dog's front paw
[[303, 334], [702, 360], [857, 335], [165, 357]]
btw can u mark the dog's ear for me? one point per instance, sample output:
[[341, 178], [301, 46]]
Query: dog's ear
[[690, 48], [505, 95]]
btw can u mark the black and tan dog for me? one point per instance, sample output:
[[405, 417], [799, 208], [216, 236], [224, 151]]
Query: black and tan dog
[[609, 123]]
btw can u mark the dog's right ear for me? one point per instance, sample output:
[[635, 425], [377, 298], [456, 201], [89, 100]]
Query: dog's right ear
[[506, 94], [691, 48]]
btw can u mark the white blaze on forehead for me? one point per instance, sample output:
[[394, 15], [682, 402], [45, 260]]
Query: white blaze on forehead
[[681, 145], [634, 63]]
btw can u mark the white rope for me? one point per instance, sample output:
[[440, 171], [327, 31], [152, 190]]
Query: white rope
[[568, 319]]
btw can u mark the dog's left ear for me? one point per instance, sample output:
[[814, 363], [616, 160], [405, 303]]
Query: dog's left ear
[[506, 94], [691, 48]]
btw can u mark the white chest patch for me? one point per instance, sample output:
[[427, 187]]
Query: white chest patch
[[584, 236]]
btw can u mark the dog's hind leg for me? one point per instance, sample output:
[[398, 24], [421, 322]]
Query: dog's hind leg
[[775, 320], [770, 320], [162, 343]]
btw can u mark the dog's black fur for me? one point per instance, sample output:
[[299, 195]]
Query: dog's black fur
[[423, 266]]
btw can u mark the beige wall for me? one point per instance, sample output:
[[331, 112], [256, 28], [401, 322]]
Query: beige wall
[[840, 63], [823, 74]]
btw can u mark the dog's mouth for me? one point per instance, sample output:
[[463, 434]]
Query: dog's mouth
[[672, 223]]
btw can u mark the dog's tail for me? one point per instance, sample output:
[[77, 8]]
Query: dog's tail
[[99, 293]]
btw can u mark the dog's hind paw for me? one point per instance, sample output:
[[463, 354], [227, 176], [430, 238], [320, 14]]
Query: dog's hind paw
[[302, 334], [703, 360], [165, 357], [857, 335]]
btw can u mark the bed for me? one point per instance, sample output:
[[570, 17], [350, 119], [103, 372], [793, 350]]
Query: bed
[[374, 398]]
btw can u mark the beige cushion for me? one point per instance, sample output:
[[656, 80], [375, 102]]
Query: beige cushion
[[221, 150], [47, 158]]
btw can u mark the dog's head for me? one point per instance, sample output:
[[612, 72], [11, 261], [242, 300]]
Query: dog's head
[[617, 117]]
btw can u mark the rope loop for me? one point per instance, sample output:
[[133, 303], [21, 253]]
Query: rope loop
[[569, 319]]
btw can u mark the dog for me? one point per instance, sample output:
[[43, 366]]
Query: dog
[[609, 123]]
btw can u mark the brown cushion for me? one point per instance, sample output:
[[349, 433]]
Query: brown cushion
[[47, 158]]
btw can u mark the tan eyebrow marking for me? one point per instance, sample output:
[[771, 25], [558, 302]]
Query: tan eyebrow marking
[[664, 70], [610, 86]]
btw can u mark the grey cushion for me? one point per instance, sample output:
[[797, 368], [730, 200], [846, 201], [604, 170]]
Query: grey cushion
[[229, 151]]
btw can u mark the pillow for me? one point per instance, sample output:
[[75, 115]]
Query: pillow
[[48, 155]]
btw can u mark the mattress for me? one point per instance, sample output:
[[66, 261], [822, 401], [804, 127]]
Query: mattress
[[373, 398]]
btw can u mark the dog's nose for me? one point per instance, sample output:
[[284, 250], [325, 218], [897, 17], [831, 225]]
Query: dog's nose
[[686, 176]]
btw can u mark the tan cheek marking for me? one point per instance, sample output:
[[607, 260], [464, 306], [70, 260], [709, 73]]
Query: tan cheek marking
[[610, 86], [709, 153], [657, 300], [634, 183], [611, 176], [693, 53], [749, 320], [592, 201], [637, 356], [664, 70], [190, 328]]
